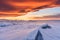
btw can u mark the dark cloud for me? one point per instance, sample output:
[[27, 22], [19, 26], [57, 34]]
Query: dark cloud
[[54, 1], [41, 7], [41, 0], [53, 16], [57, 2], [19, 0], [5, 6], [23, 9], [31, 0]]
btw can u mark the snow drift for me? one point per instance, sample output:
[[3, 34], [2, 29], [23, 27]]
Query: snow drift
[[30, 30]]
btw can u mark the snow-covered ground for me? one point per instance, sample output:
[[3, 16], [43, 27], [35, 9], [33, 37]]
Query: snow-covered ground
[[19, 30]]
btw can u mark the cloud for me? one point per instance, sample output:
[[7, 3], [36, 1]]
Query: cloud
[[57, 2], [30, 0], [5, 7], [8, 15], [50, 16], [24, 6], [41, 7], [53, 16]]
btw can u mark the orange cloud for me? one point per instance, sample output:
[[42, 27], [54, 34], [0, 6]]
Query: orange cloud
[[10, 14], [20, 7]]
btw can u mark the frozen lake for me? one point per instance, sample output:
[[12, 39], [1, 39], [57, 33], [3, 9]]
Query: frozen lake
[[18, 30]]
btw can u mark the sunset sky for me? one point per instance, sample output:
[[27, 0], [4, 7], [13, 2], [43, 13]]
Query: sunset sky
[[30, 9]]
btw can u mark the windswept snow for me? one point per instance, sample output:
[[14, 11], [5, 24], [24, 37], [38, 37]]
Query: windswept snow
[[19, 30], [35, 35]]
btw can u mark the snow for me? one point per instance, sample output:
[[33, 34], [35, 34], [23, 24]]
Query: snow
[[18, 30], [51, 34], [35, 35]]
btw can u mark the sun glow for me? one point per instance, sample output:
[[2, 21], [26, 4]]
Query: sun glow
[[51, 13]]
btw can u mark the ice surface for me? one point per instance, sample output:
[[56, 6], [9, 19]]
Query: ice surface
[[35, 35], [20, 30]]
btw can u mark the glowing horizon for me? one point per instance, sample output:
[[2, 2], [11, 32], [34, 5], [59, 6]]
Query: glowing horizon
[[30, 9], [35, 15]]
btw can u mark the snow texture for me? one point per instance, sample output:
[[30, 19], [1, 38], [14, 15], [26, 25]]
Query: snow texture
[[20, 30]]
